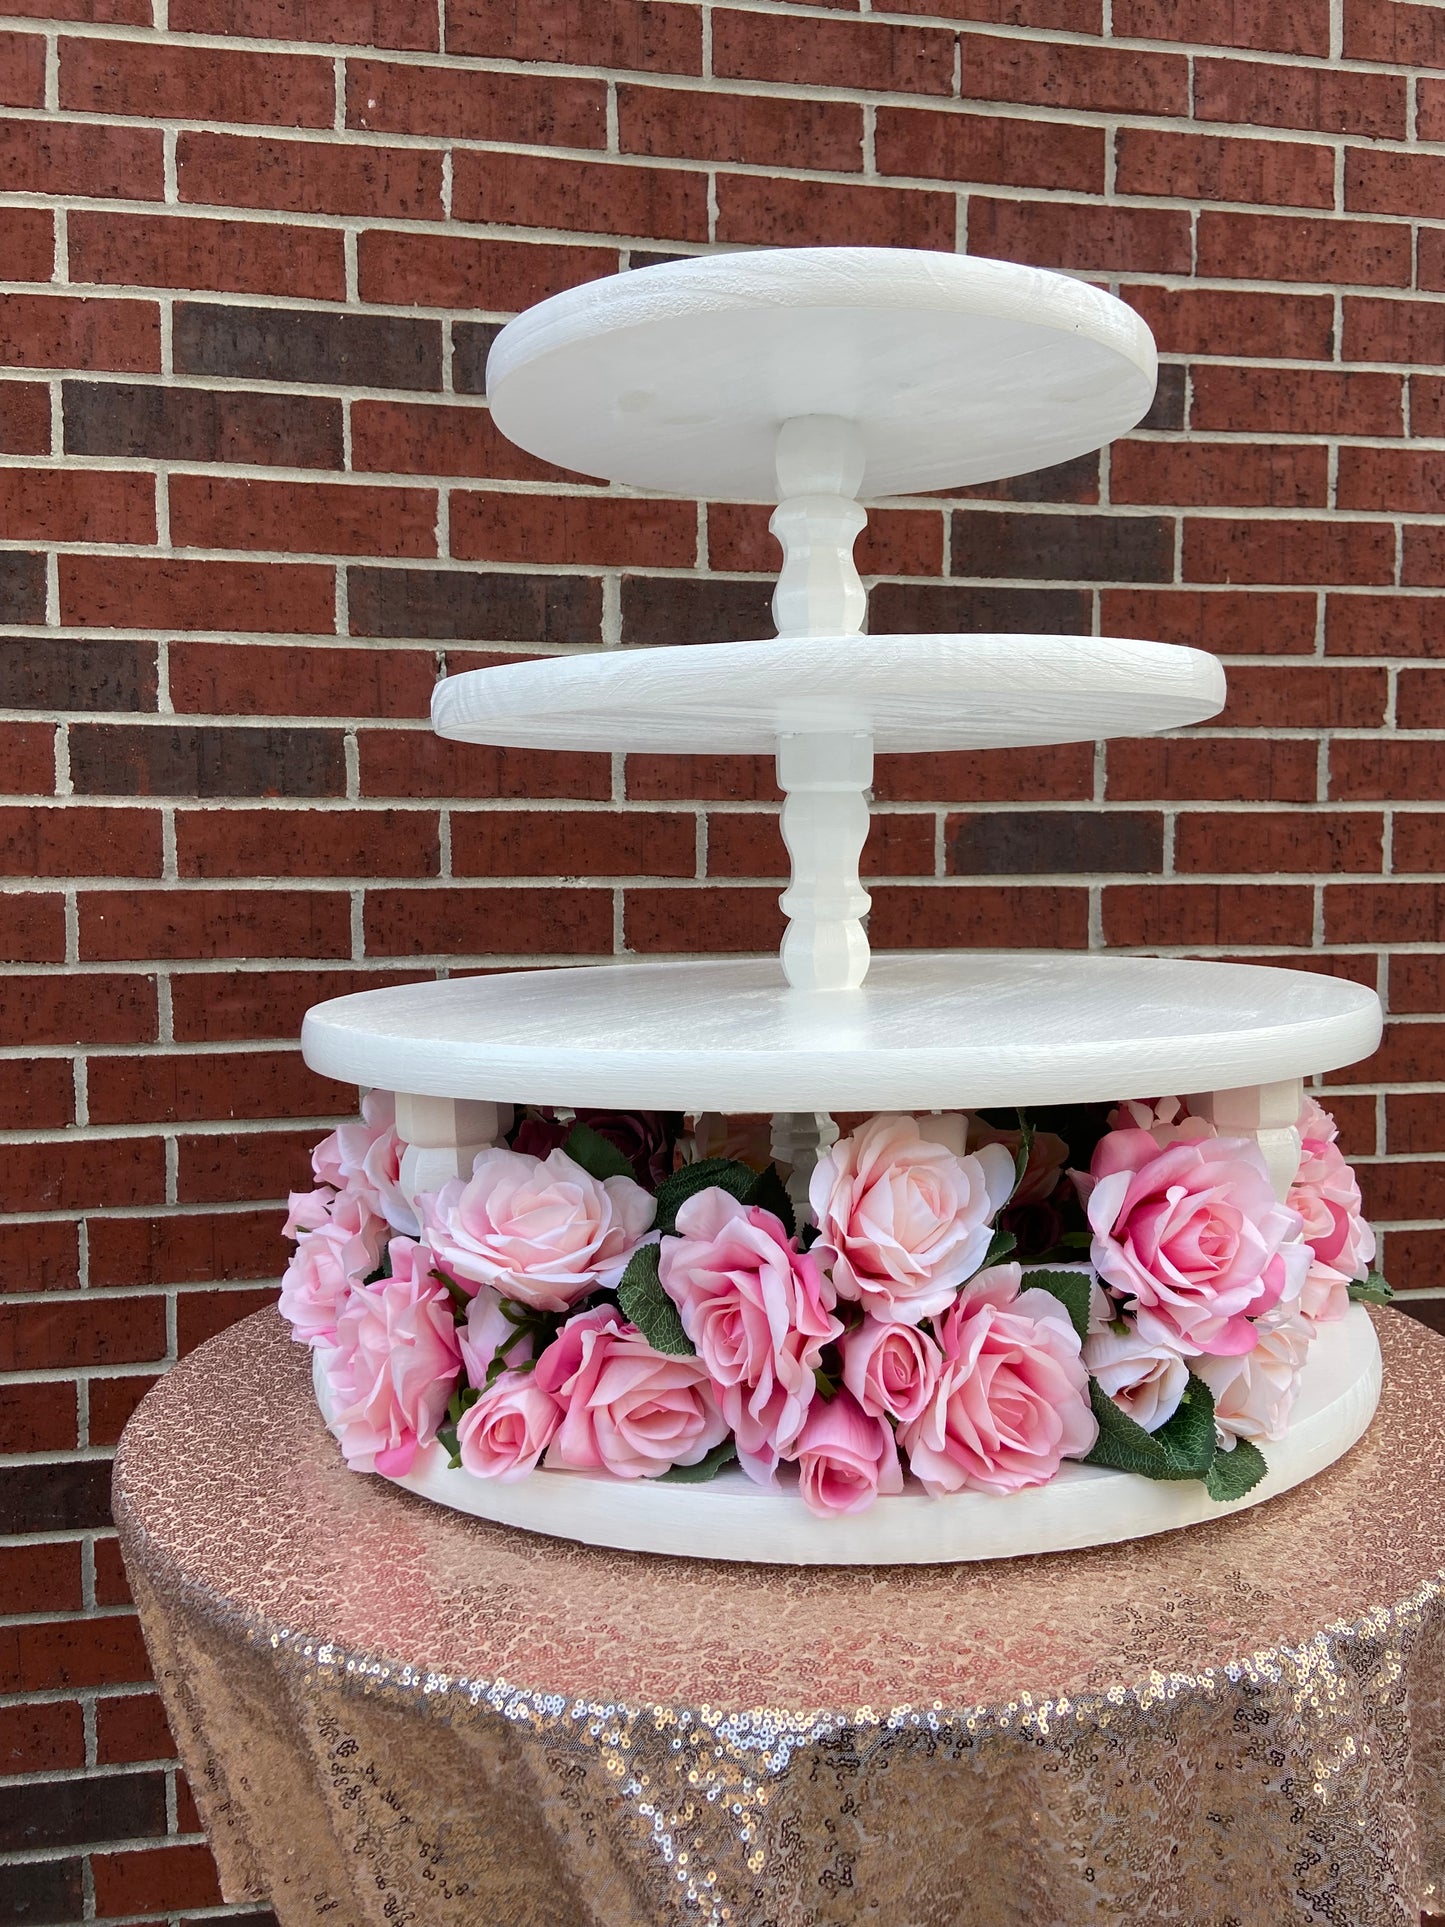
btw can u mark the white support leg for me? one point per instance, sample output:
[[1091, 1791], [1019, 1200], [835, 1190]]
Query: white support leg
[[799, 1139], [1267, 1113], [442, 1136]]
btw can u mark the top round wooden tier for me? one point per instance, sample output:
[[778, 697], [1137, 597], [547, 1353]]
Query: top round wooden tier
[[955, 370]]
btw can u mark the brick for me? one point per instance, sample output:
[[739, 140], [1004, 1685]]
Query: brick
[[50, 1735], [132, 1727], [305, 518], [1408, 35], [469, 605], [1097, 79], [257, 597], [1088, 236], [180, 1250], [75, 1009], [76, 1173], [42, 1889], [952, 146], [68, 1495], [281, 344], [218, 1168], [154, 1879], [201, 1314], [1224, 769], [1227, 321], [878, 56], [666, 779], [250, 1006], [22, 70], [307, 843], [728, 918], [113, 1589], [1423, 561], [478, 922], [471, 344], [71, 505], [1411, 1053], [554, 110], [65, 841], [47, 1334], [1291, 842], [35, 1093], [1417, 984], [895, 542], [244, 257], [671, 609], [1429, 110], [167, 1089], [355, 23], [80, 1653], [1404, 480], [1058, 773], [1417, 845], [309, 177], [1413, 1190], [1054, 842], [151, 80], [790, 213], [771, 131], [1068, 16], [1127, 548], [428, 438], [1384, 913], [1430, 261], [1226, 621], [1071, 481], [1299, 247], [22, 587], [1280, 551], [1420, 700], [461, 271], [1220, 474], [28, 235], [1273, 26], [1393, 183], [119, 927], [415, 763], [1291, 94], [584, 530], [1298, 401], [1378, 329], [34, 929], [27, 757], [1414, 1122], [998, 915], [200, 424], [1211, 167], [37, 1579], [36, 1417], [1209, 914], [1323, 697], [590, 197], [86, 157], [24, 418], [649, 36], [1386, 769], [229, 679], [899, 844], [572, 844], [179, 759], [80, 672], [112, 1400], [68, 331]]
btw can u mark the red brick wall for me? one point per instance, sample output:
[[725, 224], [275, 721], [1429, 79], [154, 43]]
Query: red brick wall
[[251, 256]]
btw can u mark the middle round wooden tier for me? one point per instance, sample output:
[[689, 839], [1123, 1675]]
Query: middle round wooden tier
[[925, 1031], [907, 692]]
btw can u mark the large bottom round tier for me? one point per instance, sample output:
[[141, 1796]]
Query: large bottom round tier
[[730, 1518]]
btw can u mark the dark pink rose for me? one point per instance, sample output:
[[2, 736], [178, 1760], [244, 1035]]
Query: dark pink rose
[[1326, 1194], [626, 1409], [845, 1458], [645, 1138], [892, 1370]]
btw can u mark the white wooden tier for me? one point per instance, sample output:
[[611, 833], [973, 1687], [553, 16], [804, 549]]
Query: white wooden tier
[[908, 692], [730, 1518], [924, 1031], [953, 369]]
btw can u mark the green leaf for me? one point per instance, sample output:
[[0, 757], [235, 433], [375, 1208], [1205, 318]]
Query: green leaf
[[1077, 1240], [1235, 1473], [1071, 1288], [674, 1191], [769, 1193], [598, 1158], [1183, 1448], [648, 1306], [1000, 1245], [1371, 1291], [705, 1469], [1026, 1145]]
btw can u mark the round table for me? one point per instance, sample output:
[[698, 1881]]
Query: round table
[[391, 1713]]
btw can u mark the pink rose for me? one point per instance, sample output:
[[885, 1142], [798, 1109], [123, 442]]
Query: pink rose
[[1047, 1157], [364, 1156], [306, 1211], [484, 1332], [1254, 1391], [1145, 1379], [645, 1138], [891, 1370], [1193, 1235], [540, 1230], [845, 1459], [339, 1253], [759, 1313], [511, 1425], [1326, 1194], [1012, 1399], [626, 1409], [1165, 1119], [904, 1220], [394, 1364]]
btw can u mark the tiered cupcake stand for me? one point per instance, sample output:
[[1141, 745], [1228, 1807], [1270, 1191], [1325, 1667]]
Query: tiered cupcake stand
[[814, 378]]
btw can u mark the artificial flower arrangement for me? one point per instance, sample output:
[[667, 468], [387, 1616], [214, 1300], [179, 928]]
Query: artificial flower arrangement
[[619, 1293]]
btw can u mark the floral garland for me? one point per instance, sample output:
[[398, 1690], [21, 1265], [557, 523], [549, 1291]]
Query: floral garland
[[612, 1292]]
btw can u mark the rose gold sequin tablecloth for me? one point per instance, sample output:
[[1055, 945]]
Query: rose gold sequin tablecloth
[[393, 1714]]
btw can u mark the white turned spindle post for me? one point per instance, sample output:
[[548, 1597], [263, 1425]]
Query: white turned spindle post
[[1268, 1113], [824, 774], [799, 1139], [442, 1136]]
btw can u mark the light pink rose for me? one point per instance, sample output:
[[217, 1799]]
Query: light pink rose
[[1165, 1119], [759, 1313], [1145, 1379], [845, 1458], [364, 1156], [1047, 1157], [891, 1370], [339, 1253], [394, 1365], [540, 1230], [1193, 1235], [1012, 1400], [1254, 1391], [306, 1211], [511, 1425], [626, 1409], [1326, 1194], [484, 1331], [904, 1220]]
